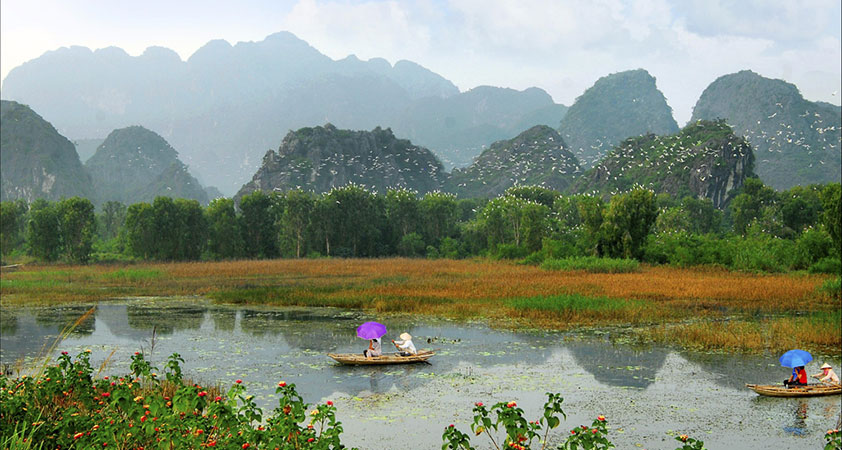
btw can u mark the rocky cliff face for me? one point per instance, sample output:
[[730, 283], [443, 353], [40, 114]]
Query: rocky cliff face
[[134, 164], [704, 160], [35, 160], [796, 142], [616, 107], [321, 158], [537, 156]]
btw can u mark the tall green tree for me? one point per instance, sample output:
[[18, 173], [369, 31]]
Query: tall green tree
[[111, 219], [591, 213], [628, 221], [43, 232], [438, 216], [225, 240], [166, 228], [259, 225], [360, 216], [831, 197], [12, 217], [750, 204], [141, 236], [402, 211], [800, 207], [78, 228], [192, 230], [295, 220]]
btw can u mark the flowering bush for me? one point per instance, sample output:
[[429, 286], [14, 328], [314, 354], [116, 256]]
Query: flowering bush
[[520, 433], [834, 440], [66, 407]]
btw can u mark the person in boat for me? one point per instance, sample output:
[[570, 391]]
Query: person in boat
[[798, 377], [827, 375], [373, 348], [405, 345]]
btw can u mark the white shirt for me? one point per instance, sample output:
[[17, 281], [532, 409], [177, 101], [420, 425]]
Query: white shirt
[[407, 345]]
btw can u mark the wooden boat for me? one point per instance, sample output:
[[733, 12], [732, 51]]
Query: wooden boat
[[811, 390], [387, 358]]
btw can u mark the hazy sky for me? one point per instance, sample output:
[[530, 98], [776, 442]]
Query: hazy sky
[[562, 46]]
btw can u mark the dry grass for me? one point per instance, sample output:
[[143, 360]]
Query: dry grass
[[460, 289]]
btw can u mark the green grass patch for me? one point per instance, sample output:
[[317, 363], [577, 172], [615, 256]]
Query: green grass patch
[[132, 275], [832, 288], [567, 303], [592, 264], [288, 296]]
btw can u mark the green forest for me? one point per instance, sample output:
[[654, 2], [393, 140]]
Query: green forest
[[760, 230]]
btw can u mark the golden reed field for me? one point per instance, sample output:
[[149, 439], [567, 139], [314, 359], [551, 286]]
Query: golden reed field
[[697, 307]]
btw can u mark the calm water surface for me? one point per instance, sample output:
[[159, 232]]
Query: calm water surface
[[648, 394]]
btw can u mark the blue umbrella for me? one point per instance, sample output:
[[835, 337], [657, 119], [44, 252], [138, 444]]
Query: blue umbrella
[[371, 330], [795, 358]]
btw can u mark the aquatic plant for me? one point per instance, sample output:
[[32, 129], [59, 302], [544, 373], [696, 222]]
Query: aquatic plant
[[67, 407]]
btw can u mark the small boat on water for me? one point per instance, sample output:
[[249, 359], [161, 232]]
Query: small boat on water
[[387, 358], [811, 390]]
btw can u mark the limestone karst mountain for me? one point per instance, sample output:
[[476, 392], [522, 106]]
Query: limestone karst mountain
[[616, 107], [704, 160], [227, 103], [538, 156], [796, 142], [35, 160], [135, 164], [321, 158]]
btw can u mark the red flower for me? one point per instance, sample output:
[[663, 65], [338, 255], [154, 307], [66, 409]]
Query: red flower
[[311, 439], [593, 431], [239, 381], [218, 398], [600, 418], [202, 393], [478, 404], [683, 437], [329, 403], [246, 445], [282, 383], [573, 431], [212, 444], [511, 404], [450, 426], [136, 353], [143, 419], [78, 435], [106, 394], [64, 353]]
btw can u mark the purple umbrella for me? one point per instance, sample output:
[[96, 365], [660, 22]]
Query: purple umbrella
[[371, 330]]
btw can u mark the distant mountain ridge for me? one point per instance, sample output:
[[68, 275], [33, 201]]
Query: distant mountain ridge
[[226, 103], [616, 107], [321, 158], [796, 142], [134, 164], [36, 161], [704, 160], [538, 156]]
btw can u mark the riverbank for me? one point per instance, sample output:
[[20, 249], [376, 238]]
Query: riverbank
[[703, 308]]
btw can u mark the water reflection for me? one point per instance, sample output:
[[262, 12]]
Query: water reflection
[[32, 333], [618, 366]]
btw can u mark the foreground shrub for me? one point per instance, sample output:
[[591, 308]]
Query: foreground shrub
[[519, 434], [832, 288], [592, 264], [65, 407], [827, 265]]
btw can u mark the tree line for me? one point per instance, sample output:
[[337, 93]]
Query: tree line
[[760, 230]]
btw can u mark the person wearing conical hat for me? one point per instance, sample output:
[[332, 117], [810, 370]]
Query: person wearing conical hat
[[827, 375], [405, 345]]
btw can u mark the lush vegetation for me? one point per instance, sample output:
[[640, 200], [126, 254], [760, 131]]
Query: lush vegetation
[[68, 406], [761, 230]]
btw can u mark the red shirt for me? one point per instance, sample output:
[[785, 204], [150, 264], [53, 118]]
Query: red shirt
[[802, 376]]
